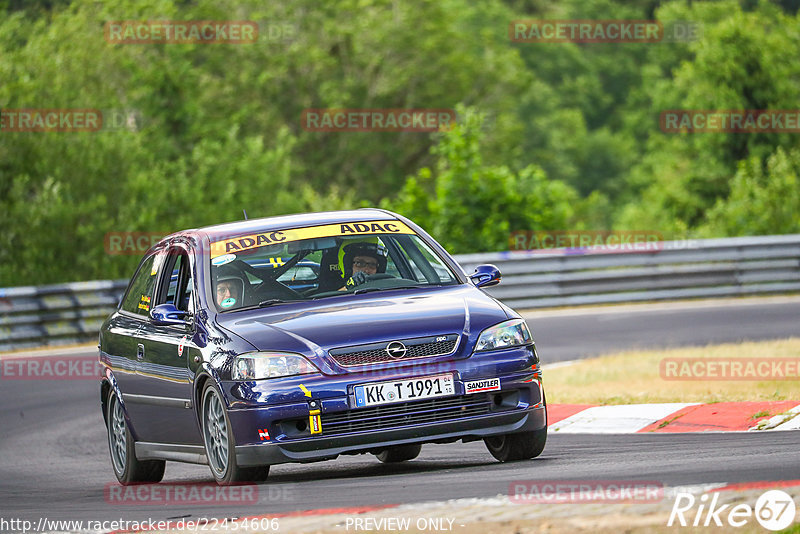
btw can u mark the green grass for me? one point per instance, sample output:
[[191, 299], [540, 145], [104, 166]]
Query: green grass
[[635, 377]]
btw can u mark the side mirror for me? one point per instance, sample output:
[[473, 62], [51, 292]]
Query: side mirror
[[168, 314], [485, 276]]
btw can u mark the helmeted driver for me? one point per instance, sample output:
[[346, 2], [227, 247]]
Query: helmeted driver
[[229, 288], [360, 259]]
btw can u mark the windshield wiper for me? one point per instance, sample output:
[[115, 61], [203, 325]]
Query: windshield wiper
[[371, 289], [262, 304], [270, 302]]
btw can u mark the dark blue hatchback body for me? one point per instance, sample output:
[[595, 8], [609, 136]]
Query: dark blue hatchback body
[[299, 338]]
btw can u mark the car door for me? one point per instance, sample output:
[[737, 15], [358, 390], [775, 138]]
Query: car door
[[165, 394], [120, 345]]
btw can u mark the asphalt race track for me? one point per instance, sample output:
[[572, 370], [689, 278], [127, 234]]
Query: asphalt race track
[[54, 459], [580, 333]]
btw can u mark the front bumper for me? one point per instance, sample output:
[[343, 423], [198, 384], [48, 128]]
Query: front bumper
[[281, 409], [325, 448]]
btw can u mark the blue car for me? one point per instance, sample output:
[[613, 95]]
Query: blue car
[[303, 337]]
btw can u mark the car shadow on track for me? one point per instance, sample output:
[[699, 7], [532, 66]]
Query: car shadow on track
[[365, 469], [312, 472]]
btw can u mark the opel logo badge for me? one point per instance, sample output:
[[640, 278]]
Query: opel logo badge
[[396, 350]]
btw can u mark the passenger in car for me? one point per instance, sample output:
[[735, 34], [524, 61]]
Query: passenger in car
[[229, 292]]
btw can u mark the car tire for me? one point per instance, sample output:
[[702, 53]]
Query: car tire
[[399, 453], [219, 443], [127, 468], [520, 446]]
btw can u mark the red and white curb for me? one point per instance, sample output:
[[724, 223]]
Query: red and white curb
[[673, 417]]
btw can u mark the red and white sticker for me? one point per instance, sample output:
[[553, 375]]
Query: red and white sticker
[[181, 345], [480, 386]]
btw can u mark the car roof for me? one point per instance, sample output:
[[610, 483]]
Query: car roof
[[222, 231]]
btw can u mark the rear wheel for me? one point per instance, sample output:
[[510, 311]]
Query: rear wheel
[[127, 468], [399, 453], [220, 448], [520, 446]]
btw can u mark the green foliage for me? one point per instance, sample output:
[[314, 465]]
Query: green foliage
[[468, 205], [763, 201], [740, 63], [569, 138]]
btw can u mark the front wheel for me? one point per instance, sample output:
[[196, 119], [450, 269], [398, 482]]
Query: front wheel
[[520, 446], [127, 468], [220, 448]]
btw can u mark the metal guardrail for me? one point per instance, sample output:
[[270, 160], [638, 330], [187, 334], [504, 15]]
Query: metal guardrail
[[73, 313], [56, 314], [675, 270]]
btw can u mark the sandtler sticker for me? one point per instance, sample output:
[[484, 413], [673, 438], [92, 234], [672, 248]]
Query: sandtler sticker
[[478, 386]]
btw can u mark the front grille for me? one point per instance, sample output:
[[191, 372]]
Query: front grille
[[407, 413], [423, 347]]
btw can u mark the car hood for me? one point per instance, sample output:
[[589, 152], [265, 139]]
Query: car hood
[[315, 327]]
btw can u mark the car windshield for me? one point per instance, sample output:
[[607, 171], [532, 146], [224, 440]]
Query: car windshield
[[274, 267]]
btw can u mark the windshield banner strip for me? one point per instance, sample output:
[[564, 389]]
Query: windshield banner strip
[[238, 244]]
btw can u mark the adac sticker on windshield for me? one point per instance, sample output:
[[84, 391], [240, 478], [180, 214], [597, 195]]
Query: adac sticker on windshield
[[222, 260], [238, 244]]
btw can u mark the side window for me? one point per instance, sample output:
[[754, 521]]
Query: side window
[[426, 266], [138, 299], [174, 279], [187, 302], [179, 282], [391, 268]]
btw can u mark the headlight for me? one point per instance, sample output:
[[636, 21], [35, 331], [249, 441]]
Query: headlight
[[257, 365], [513, 333]]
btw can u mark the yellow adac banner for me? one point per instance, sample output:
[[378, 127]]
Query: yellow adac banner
[[238, 244]]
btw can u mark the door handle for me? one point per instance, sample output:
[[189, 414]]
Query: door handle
[[139, 351]]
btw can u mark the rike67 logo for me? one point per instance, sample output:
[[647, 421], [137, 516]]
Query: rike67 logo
[[774, 510]]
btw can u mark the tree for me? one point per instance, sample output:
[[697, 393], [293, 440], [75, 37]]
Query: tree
[[469, 206], [762, 201], [738, 64]]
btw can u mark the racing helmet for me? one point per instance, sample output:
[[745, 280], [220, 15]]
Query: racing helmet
[[229, 274], [368, 246]]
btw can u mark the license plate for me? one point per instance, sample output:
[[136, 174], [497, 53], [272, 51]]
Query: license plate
[[424, 387]]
